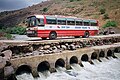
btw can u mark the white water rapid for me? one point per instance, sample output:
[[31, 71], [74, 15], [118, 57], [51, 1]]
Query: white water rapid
[[108, 69]]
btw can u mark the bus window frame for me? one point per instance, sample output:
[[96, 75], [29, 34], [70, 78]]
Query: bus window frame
[[93, 22], [62, 19], [51, 18], [79, 20], [86, 21], [70, 19]]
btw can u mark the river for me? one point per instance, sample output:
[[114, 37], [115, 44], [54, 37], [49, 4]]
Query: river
[[105, 70]]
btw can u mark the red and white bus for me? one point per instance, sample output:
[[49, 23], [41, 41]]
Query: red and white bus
[[52, 26]]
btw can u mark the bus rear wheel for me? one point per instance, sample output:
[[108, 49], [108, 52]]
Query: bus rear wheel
[[53, 35], [86, 34]]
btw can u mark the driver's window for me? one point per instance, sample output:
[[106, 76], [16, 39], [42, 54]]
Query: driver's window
[[40, 21]]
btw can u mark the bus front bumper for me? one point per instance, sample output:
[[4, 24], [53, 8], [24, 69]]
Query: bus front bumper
[[31, 33]]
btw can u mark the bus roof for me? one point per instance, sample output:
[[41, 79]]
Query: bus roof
[[61, 16]]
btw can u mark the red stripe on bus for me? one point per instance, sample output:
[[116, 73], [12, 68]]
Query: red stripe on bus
[[45, 33]]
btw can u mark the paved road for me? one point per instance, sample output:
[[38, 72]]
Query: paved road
[[24, 37]]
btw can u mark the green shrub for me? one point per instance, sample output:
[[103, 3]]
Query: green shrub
[[8, 36], [110, 24], [45, 9], [2, 30], [106, 16], [17, 30], [14, 30], [71, 0], [102, 10], [74, 0]]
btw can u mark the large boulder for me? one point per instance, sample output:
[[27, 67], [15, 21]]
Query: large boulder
[[8, 69], [3, 46], [7, 54], [2, 62]]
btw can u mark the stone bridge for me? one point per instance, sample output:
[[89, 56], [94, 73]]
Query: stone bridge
[[38, 63], [49, 55]]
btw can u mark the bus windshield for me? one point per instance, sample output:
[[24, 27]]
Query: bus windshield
[[33, 21]]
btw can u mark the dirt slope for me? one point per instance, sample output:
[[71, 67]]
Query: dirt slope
[[78, 8]]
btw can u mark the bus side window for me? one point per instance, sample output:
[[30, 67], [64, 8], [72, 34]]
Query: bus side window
[[61, 21], [79, 22], [70, 22], [93, 24], [86, 23], [51, 20]]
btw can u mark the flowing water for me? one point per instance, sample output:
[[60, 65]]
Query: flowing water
[[105, 70], [25, 76]]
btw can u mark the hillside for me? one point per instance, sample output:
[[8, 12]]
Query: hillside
[[102, 10]]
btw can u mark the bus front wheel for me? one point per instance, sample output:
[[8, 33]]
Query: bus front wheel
[[53, 35], [86, 34]]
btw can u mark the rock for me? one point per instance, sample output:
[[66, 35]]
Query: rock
[[35, 52], [23, 55], [51, 52], [2, 74], [3, 46], [40, 53], [8, 70], [50, 48], [46, 47], [54, 48], [82, 44], [40, 48], [2, 62], [67, 46], [31, 49], [7, 54], [94, 44], [16, 56], [72, 47], [58, 46], [77, 46], [29, 54], [46, 52], [27, 49], [55, 51], [63, 47]]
